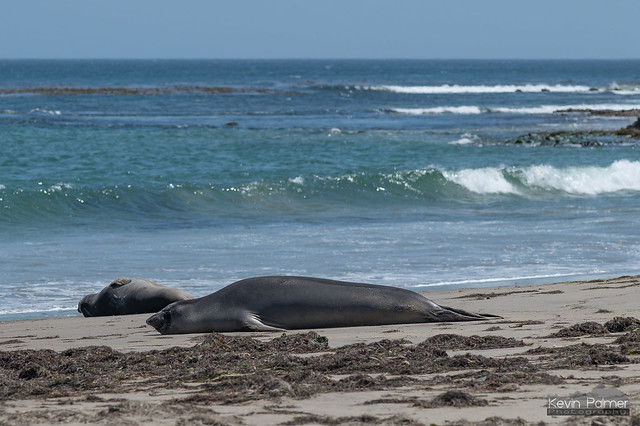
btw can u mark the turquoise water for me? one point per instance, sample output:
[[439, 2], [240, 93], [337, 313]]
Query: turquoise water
[[197, 173]]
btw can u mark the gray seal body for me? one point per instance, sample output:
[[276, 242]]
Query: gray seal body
[[287, 303], [126, 296]]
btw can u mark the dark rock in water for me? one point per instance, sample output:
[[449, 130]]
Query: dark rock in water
[[584, 138], [559, 138], [231, 124], [602, 112], [591, 143], [631, 130]]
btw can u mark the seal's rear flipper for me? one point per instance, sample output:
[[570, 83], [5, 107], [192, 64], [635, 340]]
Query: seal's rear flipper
[[453, 314]]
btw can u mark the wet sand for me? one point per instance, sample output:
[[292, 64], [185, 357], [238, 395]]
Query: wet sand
[[557, 339]]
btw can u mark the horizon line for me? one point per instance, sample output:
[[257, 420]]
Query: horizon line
[[305, 59]]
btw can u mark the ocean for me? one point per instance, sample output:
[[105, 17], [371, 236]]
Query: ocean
[[419, 174]]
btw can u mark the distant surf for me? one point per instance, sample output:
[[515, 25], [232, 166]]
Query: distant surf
[[482, 89], [541, 109]]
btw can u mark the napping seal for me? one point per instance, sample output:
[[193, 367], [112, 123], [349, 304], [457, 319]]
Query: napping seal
[[285, 303], [126, 296]]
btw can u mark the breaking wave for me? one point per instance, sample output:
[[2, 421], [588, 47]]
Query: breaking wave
[[304, 194], [458, 89], [622, 175], [541, 109]]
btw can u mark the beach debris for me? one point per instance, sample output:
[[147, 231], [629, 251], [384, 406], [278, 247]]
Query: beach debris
[[456, 398], [629, 342], [581, 329], [622, 324], [457, 342], [239, 368], [233, 369], [31, 371], [580, 355], [616, 325], [352, 420]]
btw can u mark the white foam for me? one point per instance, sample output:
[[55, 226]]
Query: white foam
[[470, 109], [621, 175], [541, 109], [45, 111], [36, 310], [55, 188], [624, 89], [507, 279], [591, 180], [487, 180], [457, 89], [60, 186], [466, 139], [627, 92]]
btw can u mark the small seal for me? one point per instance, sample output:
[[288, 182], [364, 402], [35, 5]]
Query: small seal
[[126, 296], [287, 303]]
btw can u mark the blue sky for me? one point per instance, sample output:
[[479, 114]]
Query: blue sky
[[426, 29]]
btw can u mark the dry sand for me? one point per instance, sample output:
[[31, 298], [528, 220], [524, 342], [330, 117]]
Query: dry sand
[[130, 374]]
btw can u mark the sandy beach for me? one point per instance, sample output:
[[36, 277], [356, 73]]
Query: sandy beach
[[560, 339]]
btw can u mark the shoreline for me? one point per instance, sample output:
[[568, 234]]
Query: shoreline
[[424, 289], [554, 339]]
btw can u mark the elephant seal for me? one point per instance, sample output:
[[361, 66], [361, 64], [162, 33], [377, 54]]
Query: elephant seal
[[286, 303], [126, 296]]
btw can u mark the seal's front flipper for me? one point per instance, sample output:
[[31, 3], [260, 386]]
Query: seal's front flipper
[[252, 322]]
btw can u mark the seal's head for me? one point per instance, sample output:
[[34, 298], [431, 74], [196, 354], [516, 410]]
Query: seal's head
[[179, 317], [86, 305], [105, 302], [162, 321], [126, 296]]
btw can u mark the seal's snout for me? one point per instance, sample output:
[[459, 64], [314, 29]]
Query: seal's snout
[[84, 307], [159, 321]]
